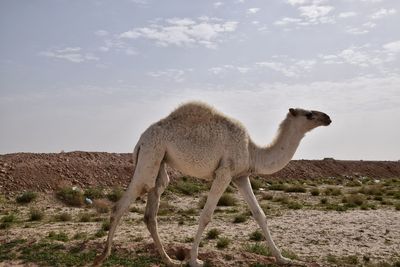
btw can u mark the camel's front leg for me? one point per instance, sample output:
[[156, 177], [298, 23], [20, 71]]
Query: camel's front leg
[[150, 215], [244, 187], [221, 182]]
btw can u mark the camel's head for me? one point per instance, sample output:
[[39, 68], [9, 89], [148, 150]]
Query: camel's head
[[310, 119]]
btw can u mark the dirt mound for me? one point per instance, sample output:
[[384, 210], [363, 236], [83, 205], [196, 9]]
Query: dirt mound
[[46, 172]]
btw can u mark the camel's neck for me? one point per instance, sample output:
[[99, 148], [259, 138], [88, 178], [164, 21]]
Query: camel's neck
[[270, 159]]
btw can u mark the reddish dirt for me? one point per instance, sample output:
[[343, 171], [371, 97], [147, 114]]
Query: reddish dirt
[[46, 172]]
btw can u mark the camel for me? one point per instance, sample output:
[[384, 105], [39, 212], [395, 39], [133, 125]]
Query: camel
[[201, 142]]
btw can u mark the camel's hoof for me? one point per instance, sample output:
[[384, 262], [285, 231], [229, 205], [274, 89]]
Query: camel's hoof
[[173, 263], [98, 261], [196, 263], [284, 261]]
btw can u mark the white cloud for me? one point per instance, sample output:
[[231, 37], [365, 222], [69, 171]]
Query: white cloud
[[217, 4], [363, 29], [175, 75], [130, 51], [253, 10], [287, 20], [347, 14], [393, 47], [361, 56], [71, 54], [383, 12], [314, 12], [101, 33], [184, 32]]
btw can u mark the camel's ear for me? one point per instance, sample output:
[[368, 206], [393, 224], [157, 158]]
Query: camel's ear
[[293, 112]]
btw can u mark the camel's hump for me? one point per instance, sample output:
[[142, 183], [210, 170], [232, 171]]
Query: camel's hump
[[193, 113], [198, 109]]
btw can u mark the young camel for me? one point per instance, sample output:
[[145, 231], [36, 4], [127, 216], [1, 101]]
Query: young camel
[[201, 142]]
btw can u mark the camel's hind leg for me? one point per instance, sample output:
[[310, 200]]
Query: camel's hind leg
[[221, 182], [143, 180], [244, 187], [150, 215]]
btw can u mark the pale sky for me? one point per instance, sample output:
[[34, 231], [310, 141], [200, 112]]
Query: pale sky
[[93, 75]]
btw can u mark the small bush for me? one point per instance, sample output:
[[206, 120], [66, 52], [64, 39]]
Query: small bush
[[60, 236], [314, 192], [227, 200], [7, 221], [26, 197], [324, 201], [213, 233], [101, 206], [258, 248], [223, 242], [277, 187], [94, 193], [100, 233], [295, 189], [375, 190], [282, 199], [64, 217], [36, 214], [188, 187], [115, 194], [266, 196], [354, 200], [240, 218], [70, 196], [256, 184], [333, 191], [397, 206], [105, 226], [257, 236], [293, 205], [165, 208], [85, 217]]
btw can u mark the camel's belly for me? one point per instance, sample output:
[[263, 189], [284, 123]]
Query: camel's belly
[[198, 163]]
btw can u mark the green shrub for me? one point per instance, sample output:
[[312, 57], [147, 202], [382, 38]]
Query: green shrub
[[293, 205], [375, 190], [258, 248], [94, 193], [282, 199], [188, 186], [64, 217], [213, 233], [266, 196], [7, 221], [36, 214], [397, 206], [227, 199], [256, 184], [277, 187], [314, 192], [257, 236], [324, 201], [85, 217], [165, 208], [100, 233], [115, 194], [223, 242], [26, 197], [353, 200], [60, 236], [70, 196], [105, 226], [295, 189], [240, 218], [333, 191]]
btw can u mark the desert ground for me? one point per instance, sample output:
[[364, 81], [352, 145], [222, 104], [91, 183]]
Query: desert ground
[[54, 211]]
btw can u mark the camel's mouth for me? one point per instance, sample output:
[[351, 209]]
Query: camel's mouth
[[327, 120]]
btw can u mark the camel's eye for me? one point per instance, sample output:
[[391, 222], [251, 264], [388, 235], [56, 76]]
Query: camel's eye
[[309, 115]]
